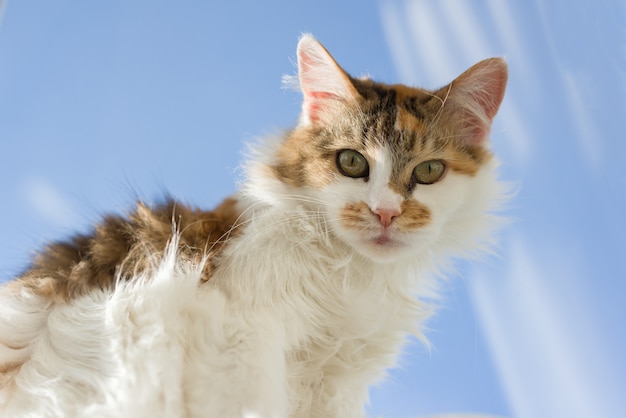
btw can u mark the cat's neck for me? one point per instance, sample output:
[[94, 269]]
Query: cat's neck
[[287, 264]]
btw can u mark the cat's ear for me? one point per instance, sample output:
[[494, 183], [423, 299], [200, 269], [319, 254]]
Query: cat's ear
[[324, 84], [472, 99]]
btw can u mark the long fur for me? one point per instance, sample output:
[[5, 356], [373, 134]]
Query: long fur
[[161, 346]]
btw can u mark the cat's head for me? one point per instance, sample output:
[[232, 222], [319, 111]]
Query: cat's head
[[395, 170]]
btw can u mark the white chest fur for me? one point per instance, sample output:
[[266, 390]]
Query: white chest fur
[[336, 317]]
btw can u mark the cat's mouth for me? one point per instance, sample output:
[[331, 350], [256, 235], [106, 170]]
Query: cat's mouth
[[384, 240], [381, 245]]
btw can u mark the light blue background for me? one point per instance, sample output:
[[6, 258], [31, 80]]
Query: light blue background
[[105, 102]]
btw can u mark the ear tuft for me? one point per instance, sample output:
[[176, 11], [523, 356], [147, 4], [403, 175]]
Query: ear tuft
[[475, 97], [323, 82]]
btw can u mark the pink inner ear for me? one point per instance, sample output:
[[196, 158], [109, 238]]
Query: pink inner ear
[[476, 133], [479, 93], [322, 95], [474, 128], [491, 97], [314, 103], [322, 81]]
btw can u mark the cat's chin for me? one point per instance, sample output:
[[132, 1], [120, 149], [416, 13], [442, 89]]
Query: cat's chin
[[383, 248]]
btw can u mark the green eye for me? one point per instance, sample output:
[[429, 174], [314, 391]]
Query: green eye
[[429, 172], [352, 164]]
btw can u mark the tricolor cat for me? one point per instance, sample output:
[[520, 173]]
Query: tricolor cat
[[289, 299]]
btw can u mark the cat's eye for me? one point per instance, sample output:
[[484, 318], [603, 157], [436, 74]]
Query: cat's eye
[[352, 164], [429, 172]]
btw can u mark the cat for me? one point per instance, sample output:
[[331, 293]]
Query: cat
[[290, 298]]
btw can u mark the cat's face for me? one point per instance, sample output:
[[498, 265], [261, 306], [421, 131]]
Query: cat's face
[[390, 197], [395, 170]]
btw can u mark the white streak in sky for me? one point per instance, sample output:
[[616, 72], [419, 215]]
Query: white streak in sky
[[514, 133], [429, 37], [2, 7], [545, 350], [401, 52], [462, 23], [589, 138], [503, 20], [49, 202]]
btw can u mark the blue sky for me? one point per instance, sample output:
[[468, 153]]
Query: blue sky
[[105, 102]]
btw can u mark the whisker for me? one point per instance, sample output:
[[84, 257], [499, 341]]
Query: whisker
[[309, 199], [443, 103]]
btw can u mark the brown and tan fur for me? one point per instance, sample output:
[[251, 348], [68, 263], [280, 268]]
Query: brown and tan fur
[[119, 247]]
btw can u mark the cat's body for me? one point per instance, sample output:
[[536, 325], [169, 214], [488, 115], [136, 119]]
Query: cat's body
[[292, 297]]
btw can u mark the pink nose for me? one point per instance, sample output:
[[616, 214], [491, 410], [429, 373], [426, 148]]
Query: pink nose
[[386, 216]]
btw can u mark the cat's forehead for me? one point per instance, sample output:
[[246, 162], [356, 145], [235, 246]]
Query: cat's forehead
[[395, 116], [377, 96]]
